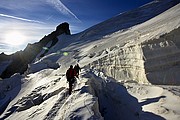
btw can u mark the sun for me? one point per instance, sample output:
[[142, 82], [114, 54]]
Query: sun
[[15, 38]]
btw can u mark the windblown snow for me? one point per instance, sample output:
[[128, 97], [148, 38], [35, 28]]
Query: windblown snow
[[129, 72]]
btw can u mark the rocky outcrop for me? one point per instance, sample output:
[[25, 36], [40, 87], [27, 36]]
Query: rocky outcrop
[[21, 59], [60, 29], [155, 61], [4, 57]]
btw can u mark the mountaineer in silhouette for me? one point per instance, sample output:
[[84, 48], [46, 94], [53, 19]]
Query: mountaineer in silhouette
[[77, 69], [70, 75]]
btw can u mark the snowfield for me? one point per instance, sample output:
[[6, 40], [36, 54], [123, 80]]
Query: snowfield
[[129, 72]]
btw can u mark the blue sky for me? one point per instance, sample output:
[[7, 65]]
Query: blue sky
[[27, 21]]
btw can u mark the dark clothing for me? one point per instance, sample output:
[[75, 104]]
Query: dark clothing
[[70, 87], [77, 69], [70, 75], [71, 82]]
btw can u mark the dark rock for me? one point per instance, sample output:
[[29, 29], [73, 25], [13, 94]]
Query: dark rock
[[63, 28], [21, 59], [4, 57]]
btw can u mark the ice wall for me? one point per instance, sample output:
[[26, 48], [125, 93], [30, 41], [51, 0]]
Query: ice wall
[[155, 61], [123, 64], [162, 59]]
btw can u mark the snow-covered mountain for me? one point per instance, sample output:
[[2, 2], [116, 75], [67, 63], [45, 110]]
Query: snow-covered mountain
[[122, 59], [18, 61]]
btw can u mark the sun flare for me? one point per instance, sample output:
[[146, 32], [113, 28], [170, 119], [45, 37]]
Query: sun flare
[[14, 38]]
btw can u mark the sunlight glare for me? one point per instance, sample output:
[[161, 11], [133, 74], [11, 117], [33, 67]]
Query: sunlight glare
[[14, 38]]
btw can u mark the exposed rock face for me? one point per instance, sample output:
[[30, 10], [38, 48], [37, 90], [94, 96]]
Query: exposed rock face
[[4, 57], [63, 28], [21, 59], [155, 61]]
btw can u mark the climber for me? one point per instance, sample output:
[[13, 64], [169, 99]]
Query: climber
[[70, 75], [77, 69]]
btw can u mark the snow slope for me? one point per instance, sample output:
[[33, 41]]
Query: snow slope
[[143, 53], [117, 75]]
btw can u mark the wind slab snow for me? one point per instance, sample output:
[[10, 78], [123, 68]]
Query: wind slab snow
[[119, 68]]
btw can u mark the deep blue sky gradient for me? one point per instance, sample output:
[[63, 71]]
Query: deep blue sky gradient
[[91, 12], [36, 18]]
